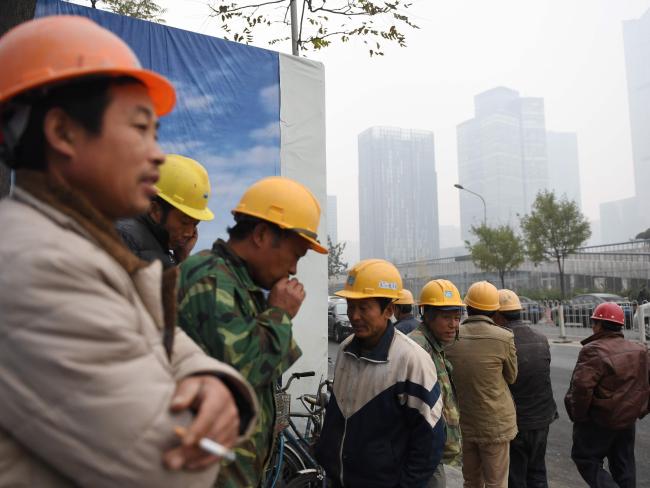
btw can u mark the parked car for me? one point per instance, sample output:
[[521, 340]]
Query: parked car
[[642, 318], [531, 310], [338, 324], [580, 308]]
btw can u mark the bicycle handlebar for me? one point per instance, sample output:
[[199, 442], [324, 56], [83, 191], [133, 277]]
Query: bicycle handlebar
[[304, 375]]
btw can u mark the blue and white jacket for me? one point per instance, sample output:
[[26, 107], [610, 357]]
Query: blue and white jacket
[[383, 424]]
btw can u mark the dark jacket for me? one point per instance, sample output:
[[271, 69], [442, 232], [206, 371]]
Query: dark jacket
[[407, 324], [532, 391], [609, 385], [146, 239], [383, 425]]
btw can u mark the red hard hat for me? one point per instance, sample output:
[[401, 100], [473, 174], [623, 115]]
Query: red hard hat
[[610, 312]]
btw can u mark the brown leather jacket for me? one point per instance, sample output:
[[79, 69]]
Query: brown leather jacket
[[610, 383]]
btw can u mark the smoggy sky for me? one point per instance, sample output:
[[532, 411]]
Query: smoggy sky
[[570, 52]]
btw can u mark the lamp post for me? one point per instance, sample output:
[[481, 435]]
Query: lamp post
[[461, 187]]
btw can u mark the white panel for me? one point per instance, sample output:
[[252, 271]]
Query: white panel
[[302, 156]]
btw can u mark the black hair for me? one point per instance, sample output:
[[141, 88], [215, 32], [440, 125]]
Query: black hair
[[383, 302], [85, 101], [165, 208], [512, 315], [245, 225], [607, 325], [404, 308], [475, 311]]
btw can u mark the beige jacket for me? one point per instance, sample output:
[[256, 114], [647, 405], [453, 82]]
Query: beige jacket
[[85, 382], [484, 362]]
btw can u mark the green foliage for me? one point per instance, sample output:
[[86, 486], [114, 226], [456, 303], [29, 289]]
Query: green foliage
[[335, 264], [497, 249], [140, 9], [554, 229], [320, 21], [643, 235]]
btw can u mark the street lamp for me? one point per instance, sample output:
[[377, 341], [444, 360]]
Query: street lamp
[[461, 187]]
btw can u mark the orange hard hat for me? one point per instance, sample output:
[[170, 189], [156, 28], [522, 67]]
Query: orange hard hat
[[55, 49]]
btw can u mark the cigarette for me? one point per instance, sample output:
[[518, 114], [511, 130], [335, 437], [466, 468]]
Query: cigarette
[[210, 446]]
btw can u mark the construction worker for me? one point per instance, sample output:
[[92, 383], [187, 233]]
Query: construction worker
[[608, 392], [168, 231], [405, 321], [484, 362], [94, 378], [383, 425], [223, 305], [532, 393], [441, 308]]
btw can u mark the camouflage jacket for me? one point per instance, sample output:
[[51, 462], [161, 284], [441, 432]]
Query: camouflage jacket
[[226, 313], [450, 411]]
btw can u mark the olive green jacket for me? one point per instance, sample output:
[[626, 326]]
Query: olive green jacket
[[453, 452]]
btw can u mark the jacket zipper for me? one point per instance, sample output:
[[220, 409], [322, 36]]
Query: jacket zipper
[[345, 428]]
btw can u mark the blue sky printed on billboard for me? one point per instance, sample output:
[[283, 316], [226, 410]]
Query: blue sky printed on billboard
[[227, 115]]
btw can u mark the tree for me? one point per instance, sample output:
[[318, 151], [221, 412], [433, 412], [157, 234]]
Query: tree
[[140, 9], [335, 264], [553, 230], [320, 21], [497, 249], [13, 13], [643, 235]]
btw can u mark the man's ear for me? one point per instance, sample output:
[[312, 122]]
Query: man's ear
[[389, 310], [260, 235], [155, 212], [61, 132]]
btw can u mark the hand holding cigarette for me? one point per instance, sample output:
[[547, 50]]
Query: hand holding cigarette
[[208, 445], [216, 419]]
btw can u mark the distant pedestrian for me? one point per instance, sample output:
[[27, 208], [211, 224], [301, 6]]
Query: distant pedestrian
[[484, 362], [406, 321], [533, 396], [609, 390], [383, 427], [441, 311]]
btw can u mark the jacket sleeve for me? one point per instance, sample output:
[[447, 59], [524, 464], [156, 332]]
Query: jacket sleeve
[[260, 347], [510, 367], [83, 387], [427, 427], [586, 375]]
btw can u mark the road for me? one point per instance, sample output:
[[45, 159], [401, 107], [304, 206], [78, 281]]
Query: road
[[562, 472]]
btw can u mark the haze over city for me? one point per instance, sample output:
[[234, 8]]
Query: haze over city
[[571, 54]]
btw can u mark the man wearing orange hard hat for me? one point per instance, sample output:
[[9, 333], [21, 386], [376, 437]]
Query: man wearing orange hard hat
[[238, 301], [94, 379]]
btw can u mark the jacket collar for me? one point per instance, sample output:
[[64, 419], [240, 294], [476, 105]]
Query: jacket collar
[[239, 266], [435, 343], [479, 318], [158, 231], [515, 324], [71, 210], [603, 334], [379, 354]]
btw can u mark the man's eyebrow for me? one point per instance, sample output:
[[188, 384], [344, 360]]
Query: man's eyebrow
[[147, 113]]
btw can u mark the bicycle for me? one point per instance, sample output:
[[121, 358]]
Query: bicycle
[[293, 464]]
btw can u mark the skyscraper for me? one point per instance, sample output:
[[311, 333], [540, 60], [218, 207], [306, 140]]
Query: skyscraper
[[332, 223], [563, 167], [398, 195], [636, 37], [502, 157]]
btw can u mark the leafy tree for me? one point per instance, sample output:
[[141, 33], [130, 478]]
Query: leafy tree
[[643, 235], [141, 9], [497, 249], [553, 230], [320, 21], [335, 264]]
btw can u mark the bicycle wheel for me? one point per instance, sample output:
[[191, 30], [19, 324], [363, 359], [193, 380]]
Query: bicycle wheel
[[308, 478], [292, 464]]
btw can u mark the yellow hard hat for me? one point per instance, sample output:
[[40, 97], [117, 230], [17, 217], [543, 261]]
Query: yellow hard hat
[[286, 203], [440, 293], [372, 278], [405, 298], [185, 184], [483, 295], [508, 301]]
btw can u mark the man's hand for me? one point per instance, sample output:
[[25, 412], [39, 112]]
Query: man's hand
[[287, 294], [182, 252], [216, 418]]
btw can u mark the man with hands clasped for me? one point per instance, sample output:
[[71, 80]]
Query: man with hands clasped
[[238, 299]]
